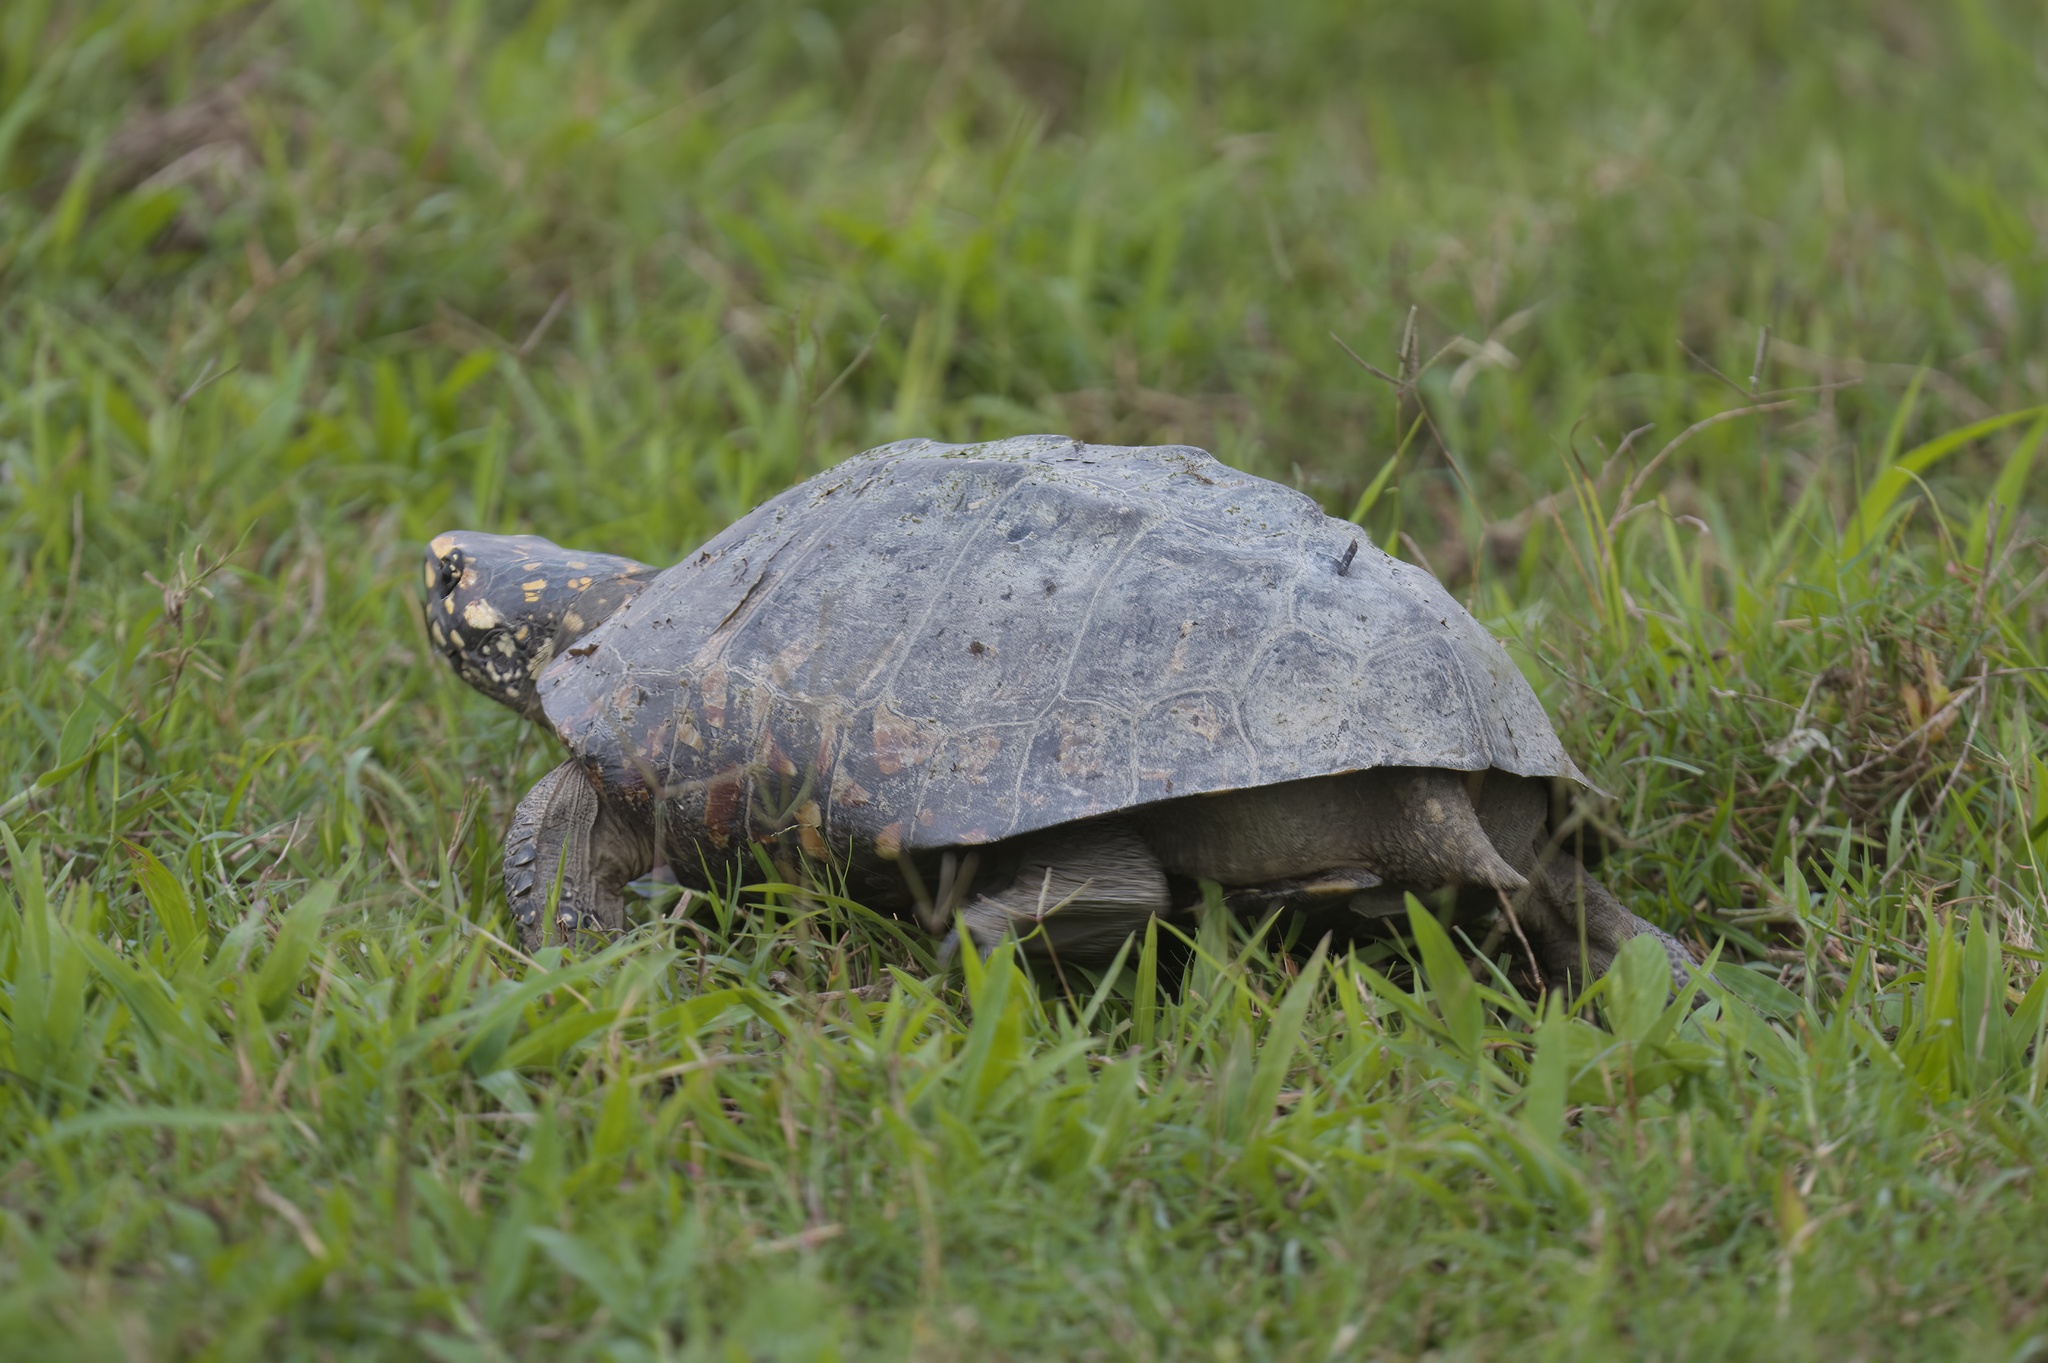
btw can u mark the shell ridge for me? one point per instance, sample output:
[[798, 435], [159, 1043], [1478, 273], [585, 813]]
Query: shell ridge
[[1094, 598], [1244, 739], [1017, 781], [931, 605], [1461, 676], [807, 543]]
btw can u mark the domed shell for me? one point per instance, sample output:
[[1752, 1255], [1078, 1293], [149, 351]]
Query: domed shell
[[935, 645]]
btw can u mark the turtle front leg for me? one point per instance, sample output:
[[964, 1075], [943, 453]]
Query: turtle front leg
[[563, 835], [1563, 892], [1079, 892]]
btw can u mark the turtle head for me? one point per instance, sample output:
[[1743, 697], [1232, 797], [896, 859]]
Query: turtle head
[[500, 608]]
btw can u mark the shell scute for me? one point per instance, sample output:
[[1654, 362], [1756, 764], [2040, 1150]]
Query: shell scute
[[1192, 742]]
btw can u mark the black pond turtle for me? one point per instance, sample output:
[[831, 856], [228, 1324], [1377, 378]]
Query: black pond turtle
[[1059, 684]]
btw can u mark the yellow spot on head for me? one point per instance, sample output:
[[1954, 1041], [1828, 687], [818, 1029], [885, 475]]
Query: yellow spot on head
[[578, 563], [448, 604], [573, 622], [480, 614], [577, 584], [441, 544], [432, 573]]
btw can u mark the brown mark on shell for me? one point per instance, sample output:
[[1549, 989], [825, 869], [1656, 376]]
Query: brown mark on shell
[[712, 686], [724, 804], [686, 732], [972, 753], [774, 758], [809, 819], [828, 743], [848, 792], [899, 743]]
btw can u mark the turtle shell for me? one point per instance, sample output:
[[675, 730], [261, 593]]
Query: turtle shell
[[942, 645]]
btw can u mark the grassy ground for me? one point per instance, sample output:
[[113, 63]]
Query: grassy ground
[[285, 288]]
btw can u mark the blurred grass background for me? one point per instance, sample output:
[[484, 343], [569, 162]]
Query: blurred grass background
[[287, 287]]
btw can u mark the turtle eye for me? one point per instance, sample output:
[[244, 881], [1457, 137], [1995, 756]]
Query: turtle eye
[[451, 570]]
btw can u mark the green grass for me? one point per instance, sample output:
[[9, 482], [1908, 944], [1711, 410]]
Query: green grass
[[285, 288]]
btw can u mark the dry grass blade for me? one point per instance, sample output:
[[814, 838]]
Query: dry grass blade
[[1626, 501]]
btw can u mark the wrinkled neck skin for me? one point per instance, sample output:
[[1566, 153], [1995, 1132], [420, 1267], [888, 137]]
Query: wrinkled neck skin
[[500, 608]]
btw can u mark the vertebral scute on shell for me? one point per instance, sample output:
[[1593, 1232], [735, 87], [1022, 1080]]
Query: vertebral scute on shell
[[934, 645]]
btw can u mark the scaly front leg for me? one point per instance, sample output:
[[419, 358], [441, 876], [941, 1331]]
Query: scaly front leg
[[569, 851]]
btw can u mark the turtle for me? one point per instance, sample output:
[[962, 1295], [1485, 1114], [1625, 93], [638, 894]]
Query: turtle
[[1033, 687]]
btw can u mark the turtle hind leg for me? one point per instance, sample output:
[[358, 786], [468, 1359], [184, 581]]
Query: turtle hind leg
[[1565, 898], [1077, 894], [568, 858]]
